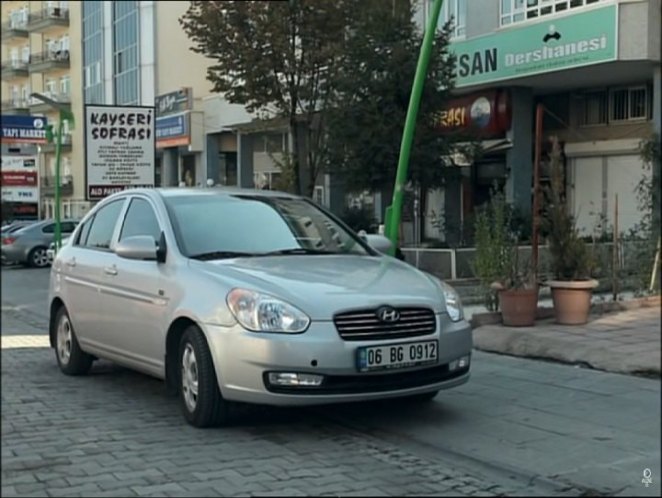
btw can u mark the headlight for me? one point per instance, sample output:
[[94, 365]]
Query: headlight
[[453, 302], [263, 313]]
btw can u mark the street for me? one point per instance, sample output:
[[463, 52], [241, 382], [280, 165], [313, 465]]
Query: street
[[519, 427]]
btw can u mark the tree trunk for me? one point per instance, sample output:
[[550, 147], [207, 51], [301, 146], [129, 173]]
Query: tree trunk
[[296, 164]]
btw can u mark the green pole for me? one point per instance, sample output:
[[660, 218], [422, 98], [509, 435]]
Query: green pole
[[394, 211], [58, 153]]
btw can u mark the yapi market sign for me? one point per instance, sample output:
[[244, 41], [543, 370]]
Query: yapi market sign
[[23, 129], [581, 39]]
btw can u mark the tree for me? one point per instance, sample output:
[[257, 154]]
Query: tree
[[274, 58], [373, 83]]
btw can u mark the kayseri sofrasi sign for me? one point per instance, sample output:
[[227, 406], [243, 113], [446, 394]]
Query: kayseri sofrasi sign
[[578, 39]]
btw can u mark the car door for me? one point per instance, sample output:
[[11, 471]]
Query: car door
[[82, 267], [132, 299]]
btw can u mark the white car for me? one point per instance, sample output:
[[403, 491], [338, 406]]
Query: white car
[[50, 252]]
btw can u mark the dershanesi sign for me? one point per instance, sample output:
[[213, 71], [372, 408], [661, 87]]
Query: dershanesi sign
[[578, 39], [119, 149]]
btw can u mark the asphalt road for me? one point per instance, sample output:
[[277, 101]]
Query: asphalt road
[[519, 427]]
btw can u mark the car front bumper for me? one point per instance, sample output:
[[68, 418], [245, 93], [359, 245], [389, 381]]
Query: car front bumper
[[243, 359]]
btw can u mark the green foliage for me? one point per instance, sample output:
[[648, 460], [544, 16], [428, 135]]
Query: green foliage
[[570, 256], [360, 219], [373, 82], [495, 247], [275, 58]]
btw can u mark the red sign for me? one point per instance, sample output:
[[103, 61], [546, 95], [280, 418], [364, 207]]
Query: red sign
[[481, 114], [19, 178]]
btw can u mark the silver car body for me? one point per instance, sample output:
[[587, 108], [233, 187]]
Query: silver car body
[[123, 310], [36, 236]]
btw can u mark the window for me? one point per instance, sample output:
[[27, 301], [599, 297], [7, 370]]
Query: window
[[51, 87], [14, 56], [125, 52], [49, 228], [451, 9], [595, 108], [65, 85], [68, 227], [629, 104], [64, 42], [140, 220], [25, 93], [103, 226], [26, 54], [513, 11]]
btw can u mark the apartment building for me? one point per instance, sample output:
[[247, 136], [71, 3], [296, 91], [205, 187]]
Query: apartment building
[[37, 56], [595, 67]]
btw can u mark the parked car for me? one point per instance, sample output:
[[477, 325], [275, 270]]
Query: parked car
[[50, 253], [234, 295], [28, 245], [15, 225]]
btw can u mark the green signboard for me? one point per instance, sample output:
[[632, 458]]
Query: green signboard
[[578, 39]]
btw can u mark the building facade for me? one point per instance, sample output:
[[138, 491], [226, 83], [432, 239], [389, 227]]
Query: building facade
[[38, 57], [594, 65]]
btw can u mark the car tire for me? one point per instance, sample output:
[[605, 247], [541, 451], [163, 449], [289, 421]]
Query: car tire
[[423, 397], [38, 258], [195, 368], [71, 359]]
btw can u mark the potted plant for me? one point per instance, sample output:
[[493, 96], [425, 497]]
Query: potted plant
[[506, 285], [572, 263]]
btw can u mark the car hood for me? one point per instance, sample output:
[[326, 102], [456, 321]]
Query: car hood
[[322, 285]]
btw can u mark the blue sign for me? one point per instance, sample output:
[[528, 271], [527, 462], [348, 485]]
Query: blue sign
[[24, 129], [173, 130]]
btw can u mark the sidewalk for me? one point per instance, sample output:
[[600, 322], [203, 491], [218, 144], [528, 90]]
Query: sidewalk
[[622, 342]]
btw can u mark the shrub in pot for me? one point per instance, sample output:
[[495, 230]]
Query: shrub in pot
[[505, 286], [571, 260]]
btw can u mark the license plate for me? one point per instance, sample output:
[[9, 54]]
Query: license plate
[[391, 356]]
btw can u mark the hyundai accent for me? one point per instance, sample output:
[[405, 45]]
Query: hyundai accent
[[233, 295]]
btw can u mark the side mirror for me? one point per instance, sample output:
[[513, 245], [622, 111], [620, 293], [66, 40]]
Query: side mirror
[[378, 242], [141, 247]]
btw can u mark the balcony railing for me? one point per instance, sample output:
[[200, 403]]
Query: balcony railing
[[49, 17], [37, 105], [15, 105], [14, 69], [51, 59], [14, 29]]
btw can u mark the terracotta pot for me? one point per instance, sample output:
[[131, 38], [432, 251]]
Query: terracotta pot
[[518, 307], [572, 300]]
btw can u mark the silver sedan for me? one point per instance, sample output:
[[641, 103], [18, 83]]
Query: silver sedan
[[250, 296]]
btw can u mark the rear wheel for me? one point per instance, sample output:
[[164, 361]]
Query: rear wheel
[[199, 394], [38, 257], [71, 359]]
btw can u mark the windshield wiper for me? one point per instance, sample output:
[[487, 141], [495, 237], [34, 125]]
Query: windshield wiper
[[297, 250], [206, 256]]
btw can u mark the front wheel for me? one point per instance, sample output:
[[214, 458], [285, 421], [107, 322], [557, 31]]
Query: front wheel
[[71, 359], [199, 394], [38, 257]]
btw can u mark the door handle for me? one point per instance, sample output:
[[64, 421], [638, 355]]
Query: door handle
[[110, 270], [71, 262]]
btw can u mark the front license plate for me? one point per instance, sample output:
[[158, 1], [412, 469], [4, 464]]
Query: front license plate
[[392, 356]]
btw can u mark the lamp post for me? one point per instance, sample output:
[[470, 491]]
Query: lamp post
[[64, 111]]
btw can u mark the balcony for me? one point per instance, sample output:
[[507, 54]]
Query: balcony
[[14, 69], [44, 20], [66, 143], [15, 106], [49, 61], [39, 107], [47, 186], [12, 30]]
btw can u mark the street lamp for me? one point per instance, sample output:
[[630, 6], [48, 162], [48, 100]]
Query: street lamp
[[64, 111]]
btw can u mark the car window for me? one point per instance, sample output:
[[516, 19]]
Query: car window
[[49, 228], [81, 239], [103, 225], [68, 227], [140, 220]]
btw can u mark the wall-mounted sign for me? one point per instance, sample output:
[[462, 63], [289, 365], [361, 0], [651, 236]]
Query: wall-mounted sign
[[20, 194], [119, 149], [173, 102], [19, 163], [20, 180], [482, 114], [23, 129], [173, 131], [578, 39]]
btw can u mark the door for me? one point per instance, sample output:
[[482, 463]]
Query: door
[[132, 296], [83, 272]]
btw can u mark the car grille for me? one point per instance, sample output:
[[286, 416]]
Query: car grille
[[364, 325]]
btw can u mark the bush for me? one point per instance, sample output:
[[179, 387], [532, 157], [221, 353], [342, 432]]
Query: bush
[[360, 219]]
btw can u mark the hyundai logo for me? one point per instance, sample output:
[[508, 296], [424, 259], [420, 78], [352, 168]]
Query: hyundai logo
[[387, 314]]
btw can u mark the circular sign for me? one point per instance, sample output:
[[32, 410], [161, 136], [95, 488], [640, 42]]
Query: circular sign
[[481, 110], [38, 123]]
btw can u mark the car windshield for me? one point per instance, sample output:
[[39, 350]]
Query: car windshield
[[225, 226]]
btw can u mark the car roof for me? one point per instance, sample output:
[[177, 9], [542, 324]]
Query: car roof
[[167, 192]]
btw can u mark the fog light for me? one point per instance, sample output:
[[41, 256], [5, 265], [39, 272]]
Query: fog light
[[452, 365], [463, 362], [295, 379]]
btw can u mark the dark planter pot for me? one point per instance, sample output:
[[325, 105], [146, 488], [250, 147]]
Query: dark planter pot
[[518, 307], [572, 300]]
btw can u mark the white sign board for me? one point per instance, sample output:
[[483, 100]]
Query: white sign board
[[19, 163], [119, 149], [20, 194]]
